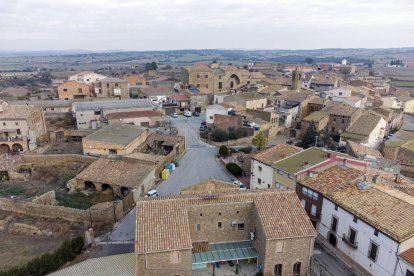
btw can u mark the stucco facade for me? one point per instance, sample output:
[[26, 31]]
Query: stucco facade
[[73, 90]]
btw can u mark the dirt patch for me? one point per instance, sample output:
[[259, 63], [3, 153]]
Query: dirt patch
[[64, 147], [15, 91], [42, 179]]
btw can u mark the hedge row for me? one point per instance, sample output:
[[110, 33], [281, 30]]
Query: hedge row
[[49, 262]]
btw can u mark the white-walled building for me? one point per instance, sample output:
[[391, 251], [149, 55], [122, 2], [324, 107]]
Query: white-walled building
[[87, 77], [337, 94], [392, 102], [369, 223], [211, 110], [368, 130]]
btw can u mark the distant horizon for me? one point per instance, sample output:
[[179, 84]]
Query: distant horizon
[[206, 49]]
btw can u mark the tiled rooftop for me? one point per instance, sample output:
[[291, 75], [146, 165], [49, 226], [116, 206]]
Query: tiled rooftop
[[387, 212], [316, 116], [276, 153], [209, 185], [115, 172], [364, 125], [134, 114], [162, 222], [331, 179], [342, 109], [408, 256]]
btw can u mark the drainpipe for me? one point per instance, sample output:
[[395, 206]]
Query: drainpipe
[[396, 263], [237, 266]]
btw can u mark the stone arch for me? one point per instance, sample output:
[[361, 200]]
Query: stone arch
[[4, 148], [234, 81], [124, 191], [17, 148], [106, 188], [90, 185]]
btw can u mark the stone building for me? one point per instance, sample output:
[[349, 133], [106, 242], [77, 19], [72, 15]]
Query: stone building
[[92, 114], [112, 88], [21, 126], [71, 90], [117, 139], [186, 234], [145, 118], [341, 116], [250, 100], [218, 78], [120, 176]]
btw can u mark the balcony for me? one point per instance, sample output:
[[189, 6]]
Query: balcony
[[348, 242]]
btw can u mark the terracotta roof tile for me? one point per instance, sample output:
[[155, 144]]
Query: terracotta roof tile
[[408, 256], [276, 153], [162, 222], [134, 114]]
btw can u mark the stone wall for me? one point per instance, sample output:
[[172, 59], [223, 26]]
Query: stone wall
[[226, 121], [98, 213], [58, 158], [176, 262], [48, 198]]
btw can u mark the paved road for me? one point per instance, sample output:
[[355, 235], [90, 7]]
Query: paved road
[[198, 164]]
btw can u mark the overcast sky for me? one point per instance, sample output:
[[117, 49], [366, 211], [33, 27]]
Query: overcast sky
[[203, 24]]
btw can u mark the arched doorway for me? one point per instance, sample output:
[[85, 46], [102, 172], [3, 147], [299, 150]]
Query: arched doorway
[[17, 148], [234, 81], [4, 148], [332, 239], [90, 186], [107, 189], [124, 191]]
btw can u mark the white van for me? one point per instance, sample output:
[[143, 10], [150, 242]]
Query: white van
[[187, 113], [152, 193]]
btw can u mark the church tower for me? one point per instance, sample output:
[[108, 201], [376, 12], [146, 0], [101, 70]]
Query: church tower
[[296, 80]]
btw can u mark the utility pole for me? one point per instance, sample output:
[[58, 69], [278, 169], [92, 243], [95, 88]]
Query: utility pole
[[316, 140]]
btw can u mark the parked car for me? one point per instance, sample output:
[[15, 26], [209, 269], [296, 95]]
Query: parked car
[[203, 128], [203, 123], [196, 114], [187, 113], [174, 115], [243, 187], [152, 193]]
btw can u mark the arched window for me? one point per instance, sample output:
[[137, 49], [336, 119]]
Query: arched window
[[278, 270], [296, 269]]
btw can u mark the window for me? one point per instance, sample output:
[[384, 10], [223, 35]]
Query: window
[[18, 131], [334, 119], [409, 273], [65, 89], [4, 123], [17, 123], [260, 168], [310, 193], [278, 270], [219, 225], [268, 186], [303, 203], [116, 84], [290, 176], [107, 85], [279, 186], [313, 210], [220, 85], [376, 232], [97, 112], [334, 224], [373, 251], [198, 85], [280, 246], [211, 117], [201, 215], [207, 86], [80, 90], [198, 227], [336, 207], [240, 226], [113, 151], [198, 76], [206, 76], [280, 172], [352, 234], [296, 269], [259, 181], [343, 121], [355, 219], [340, 93]]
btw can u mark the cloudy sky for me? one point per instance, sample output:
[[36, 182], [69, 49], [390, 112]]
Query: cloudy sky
[[202, 24]]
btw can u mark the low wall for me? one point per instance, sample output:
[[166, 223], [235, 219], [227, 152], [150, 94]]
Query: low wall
[[58, 158], [106, 212], [48, 198]]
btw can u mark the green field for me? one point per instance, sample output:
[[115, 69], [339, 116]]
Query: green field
[[402, 83]]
